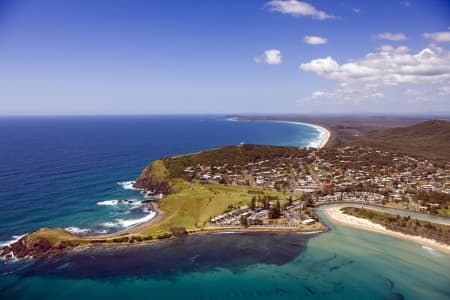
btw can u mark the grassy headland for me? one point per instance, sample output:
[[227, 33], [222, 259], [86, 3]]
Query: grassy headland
[[253, 187], [188, 204]]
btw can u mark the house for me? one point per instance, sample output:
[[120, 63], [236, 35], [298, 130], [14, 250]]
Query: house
[[308, 221]]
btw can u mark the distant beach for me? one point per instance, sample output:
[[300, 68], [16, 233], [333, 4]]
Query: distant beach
[[324, 134], [320, 142]]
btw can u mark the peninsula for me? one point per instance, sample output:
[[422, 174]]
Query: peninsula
[[264, 188]]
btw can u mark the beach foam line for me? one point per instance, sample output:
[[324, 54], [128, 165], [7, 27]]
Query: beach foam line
[[124, 223], [321, 140], [128, 223], [431, 251]]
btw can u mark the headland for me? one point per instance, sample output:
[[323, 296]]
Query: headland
[[263, 188]]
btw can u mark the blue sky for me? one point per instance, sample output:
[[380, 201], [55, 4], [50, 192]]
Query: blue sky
[[279, 56]]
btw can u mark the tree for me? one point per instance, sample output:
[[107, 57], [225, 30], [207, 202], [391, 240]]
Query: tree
[[178, 231], [308, 202], [275, 210], [290, 200], [244, 221], [266, 202], [253, 203]]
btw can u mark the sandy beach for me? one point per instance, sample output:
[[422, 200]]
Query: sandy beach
[[337, 216], [324, 135]]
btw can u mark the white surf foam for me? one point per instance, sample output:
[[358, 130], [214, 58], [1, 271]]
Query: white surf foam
[[108, 202], [316, 143], [431, 251], [124, 223], [109, 224], [75, 230], [128, 185], [133, 202], [128, 223], [14, 239]]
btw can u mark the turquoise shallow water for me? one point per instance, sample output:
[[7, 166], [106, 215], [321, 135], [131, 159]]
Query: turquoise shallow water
[[343, 263]]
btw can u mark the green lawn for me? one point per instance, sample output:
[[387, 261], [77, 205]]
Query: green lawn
[[192, 205]]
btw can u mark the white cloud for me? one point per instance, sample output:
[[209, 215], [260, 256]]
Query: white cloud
[[367, 77], [436, 48], [297, 9], [321, 66], [438, 36], [412, 92], [377, 95], [347, 94], [444, 90], [356, 10], [390, 36], [389, 48], [315, 40], [271, 57], [385, 68], [318, 94], [406, 3]]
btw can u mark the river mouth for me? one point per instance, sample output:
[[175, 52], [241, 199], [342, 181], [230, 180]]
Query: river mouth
[[167, 259], [401, 212]]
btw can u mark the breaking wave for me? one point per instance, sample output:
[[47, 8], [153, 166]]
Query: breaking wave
[[124, 223], [76, 230], [119, 202], [14, 239], [128, 185]]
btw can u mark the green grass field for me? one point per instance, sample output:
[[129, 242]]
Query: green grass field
[[193, 204]]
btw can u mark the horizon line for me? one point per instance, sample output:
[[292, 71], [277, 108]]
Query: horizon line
[[247, 114]]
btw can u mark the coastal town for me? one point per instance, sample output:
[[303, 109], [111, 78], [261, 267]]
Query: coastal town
[[344, 174], [249, 187]]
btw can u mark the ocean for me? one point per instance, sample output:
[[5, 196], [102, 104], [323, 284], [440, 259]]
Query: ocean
[[69, 171]]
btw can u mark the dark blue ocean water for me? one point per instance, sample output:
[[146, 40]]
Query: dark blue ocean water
[[55, 171]]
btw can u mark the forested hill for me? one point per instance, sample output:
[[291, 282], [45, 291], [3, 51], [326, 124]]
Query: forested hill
[[429, 139], [238, 155]]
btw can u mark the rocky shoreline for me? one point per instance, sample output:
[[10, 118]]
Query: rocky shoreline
[[153, 186], [24, 247]]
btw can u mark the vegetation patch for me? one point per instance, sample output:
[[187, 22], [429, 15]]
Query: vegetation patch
[[406, 225]]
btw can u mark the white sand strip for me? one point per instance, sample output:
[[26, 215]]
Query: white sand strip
[[337, 216]]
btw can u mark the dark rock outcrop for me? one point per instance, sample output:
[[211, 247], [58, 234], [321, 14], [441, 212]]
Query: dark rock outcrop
[[25, 248], [152, 185]]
